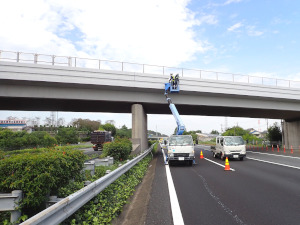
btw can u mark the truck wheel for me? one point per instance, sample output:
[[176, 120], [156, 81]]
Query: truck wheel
[[191, 163], [241, 158], [222, 157]]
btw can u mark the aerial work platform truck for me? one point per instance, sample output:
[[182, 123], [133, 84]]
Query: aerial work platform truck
[[180, 147]]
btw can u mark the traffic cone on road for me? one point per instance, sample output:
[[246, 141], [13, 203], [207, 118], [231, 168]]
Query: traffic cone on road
[[201, 155], [227, 167]]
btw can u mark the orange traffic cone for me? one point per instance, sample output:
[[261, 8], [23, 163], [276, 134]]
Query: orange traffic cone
[[201, 155], [227, 167]]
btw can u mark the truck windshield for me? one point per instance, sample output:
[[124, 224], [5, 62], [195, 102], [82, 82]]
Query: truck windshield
[[181, 140], [233, 141]]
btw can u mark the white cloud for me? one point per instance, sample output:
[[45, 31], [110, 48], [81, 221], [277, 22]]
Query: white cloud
[[228, 2], [235, 27], [153, 32], [251, 31]]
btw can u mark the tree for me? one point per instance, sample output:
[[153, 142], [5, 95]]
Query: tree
[[235, 131], [109, 127], [111, 122], [67, 135], [85, 124], [124, 132], [214, 132], [274, 133]]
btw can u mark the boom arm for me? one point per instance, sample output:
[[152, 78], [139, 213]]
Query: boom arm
[[180, 125]]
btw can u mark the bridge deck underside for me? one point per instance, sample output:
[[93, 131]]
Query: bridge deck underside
[[75, 105]]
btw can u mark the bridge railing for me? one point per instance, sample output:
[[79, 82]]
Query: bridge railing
[[142, 68]]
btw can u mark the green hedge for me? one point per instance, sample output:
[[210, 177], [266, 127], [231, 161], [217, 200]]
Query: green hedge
[[120, 149], [109, 203], [10, 140], [39, 174]]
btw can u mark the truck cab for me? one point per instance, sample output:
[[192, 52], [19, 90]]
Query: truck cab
[[181, 148], [230, 146]]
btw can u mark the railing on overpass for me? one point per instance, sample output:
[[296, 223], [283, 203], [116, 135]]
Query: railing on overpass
[[141, 68]]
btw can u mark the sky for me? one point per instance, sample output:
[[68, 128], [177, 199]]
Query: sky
[[250, 37]]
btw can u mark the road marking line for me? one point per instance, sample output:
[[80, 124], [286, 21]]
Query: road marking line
[[294, 167], [176, 212], [175, 208], [286, 156], [218, 164]]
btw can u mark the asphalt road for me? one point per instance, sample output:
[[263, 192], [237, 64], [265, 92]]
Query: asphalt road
[[257, 192]]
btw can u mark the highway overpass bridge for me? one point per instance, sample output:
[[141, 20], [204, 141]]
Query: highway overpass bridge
[[25, 86]]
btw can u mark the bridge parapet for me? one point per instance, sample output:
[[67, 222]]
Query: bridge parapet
[[79, 62]]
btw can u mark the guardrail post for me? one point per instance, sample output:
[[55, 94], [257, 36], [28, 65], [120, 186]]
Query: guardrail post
[[70, 61], [18, 56], [200, 74], [99, 64], [10, 202], [35, 58], [15, 215], [90, 166], [53, 60], [182, 72]]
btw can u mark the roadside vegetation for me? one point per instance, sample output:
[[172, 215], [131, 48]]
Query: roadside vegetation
[[51, 169]]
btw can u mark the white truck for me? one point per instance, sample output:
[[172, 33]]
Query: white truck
[[230, 146], [181, 148]]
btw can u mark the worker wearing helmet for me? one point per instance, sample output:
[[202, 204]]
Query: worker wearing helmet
[[176, 80], [173, 80]]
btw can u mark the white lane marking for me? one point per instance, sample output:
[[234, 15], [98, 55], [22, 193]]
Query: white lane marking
[[286, 156], [175, 208], [294, 167], [176, 212], [218, 163]]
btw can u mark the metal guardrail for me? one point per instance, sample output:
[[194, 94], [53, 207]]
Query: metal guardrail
[[60, 211], [10, 202], [142, 68]]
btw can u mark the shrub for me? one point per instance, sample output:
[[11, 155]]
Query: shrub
[[39, 174], [67, 135], [16, 140], [120, 149], [107, 205]]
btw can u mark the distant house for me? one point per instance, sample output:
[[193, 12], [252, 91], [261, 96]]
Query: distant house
[[206, 137], [257, 133], [14, 125]]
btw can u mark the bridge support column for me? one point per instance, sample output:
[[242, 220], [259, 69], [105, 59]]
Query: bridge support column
[[291, 134], [139, 129]]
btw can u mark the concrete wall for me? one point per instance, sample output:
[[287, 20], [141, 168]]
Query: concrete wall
[[291, 134], [139, 129]]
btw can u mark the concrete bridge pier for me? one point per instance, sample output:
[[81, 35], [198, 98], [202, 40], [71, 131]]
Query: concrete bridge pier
[[291, 134], [139, 129]]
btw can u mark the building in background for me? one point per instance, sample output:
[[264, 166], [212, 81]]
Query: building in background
[[14, 125]]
